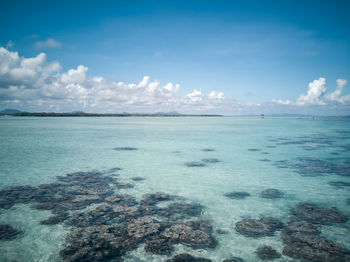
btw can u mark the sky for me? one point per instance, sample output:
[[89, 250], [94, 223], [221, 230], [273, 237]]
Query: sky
[[222, 57]]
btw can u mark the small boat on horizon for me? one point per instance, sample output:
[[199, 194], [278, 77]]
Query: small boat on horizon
[[262, 115]]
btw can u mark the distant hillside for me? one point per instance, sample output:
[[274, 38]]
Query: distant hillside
[[15, 112], [10, 111], [53, 114]]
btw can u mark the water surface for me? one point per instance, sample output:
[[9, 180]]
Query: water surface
[[299, 157]]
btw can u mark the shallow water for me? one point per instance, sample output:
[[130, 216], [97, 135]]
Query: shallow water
[[297, 156]]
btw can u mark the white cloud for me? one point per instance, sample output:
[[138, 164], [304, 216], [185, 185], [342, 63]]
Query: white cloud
[[195, 96], [38, 84], [216, 95], [34, 84], [316, 90], [29, 71], [336, 95], [144, 82], [282, 102], [75, 76], [317, 95], [49, 43]]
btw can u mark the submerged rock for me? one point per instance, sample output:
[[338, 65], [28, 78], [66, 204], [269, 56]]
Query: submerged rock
[[267, 253], [271, 193], [158, 246], [194, 164], [188, 258], [138, 178], [125, 148], [303, 241], [339, 184], [142, 227], [124, 185], [315, 214], [210, 160], [221, 231], [234, 259], [309, 166], [112, 224], [155, 198], [10, 196], [185, 233], [265, 160], [8, 233], [237, 195], [104, 214], [208, 149], [258, 227], [301, 227], [122, 199], [97, 244]]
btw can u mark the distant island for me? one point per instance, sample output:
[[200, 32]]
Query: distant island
[[15, 112]]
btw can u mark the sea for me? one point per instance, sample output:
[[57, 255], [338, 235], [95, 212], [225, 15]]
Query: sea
[[60, 179]]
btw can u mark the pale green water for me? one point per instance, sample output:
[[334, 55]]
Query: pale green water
[[34, 151]]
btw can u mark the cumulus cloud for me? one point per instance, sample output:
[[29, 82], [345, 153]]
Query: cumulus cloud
[[317, 95], [282, 102], [49, 43], [216, 95], [336, 96], [316, 90], [144, 82], [35, 83], [74, 76], [195, 96], [32, 72]]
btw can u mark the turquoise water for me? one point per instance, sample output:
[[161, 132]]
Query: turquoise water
[[297, 156]]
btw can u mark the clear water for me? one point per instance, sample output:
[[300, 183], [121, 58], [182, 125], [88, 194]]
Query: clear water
[[34, 151]]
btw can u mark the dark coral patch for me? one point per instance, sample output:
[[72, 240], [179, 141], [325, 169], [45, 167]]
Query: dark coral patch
[[125, 148], [208, 149], [210, 160], [138, 178], [114, 223], [302, 241], [187, 258], [315, 214], [253, 149], [258, 227], [8, 233], [339, 184], [267, 253], [271, 193], [194, 164], [237, 195]]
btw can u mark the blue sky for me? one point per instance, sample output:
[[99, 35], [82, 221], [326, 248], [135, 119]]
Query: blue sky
[[251, 51]]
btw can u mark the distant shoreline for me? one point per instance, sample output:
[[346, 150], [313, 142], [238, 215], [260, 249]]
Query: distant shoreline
[[43, 114]]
